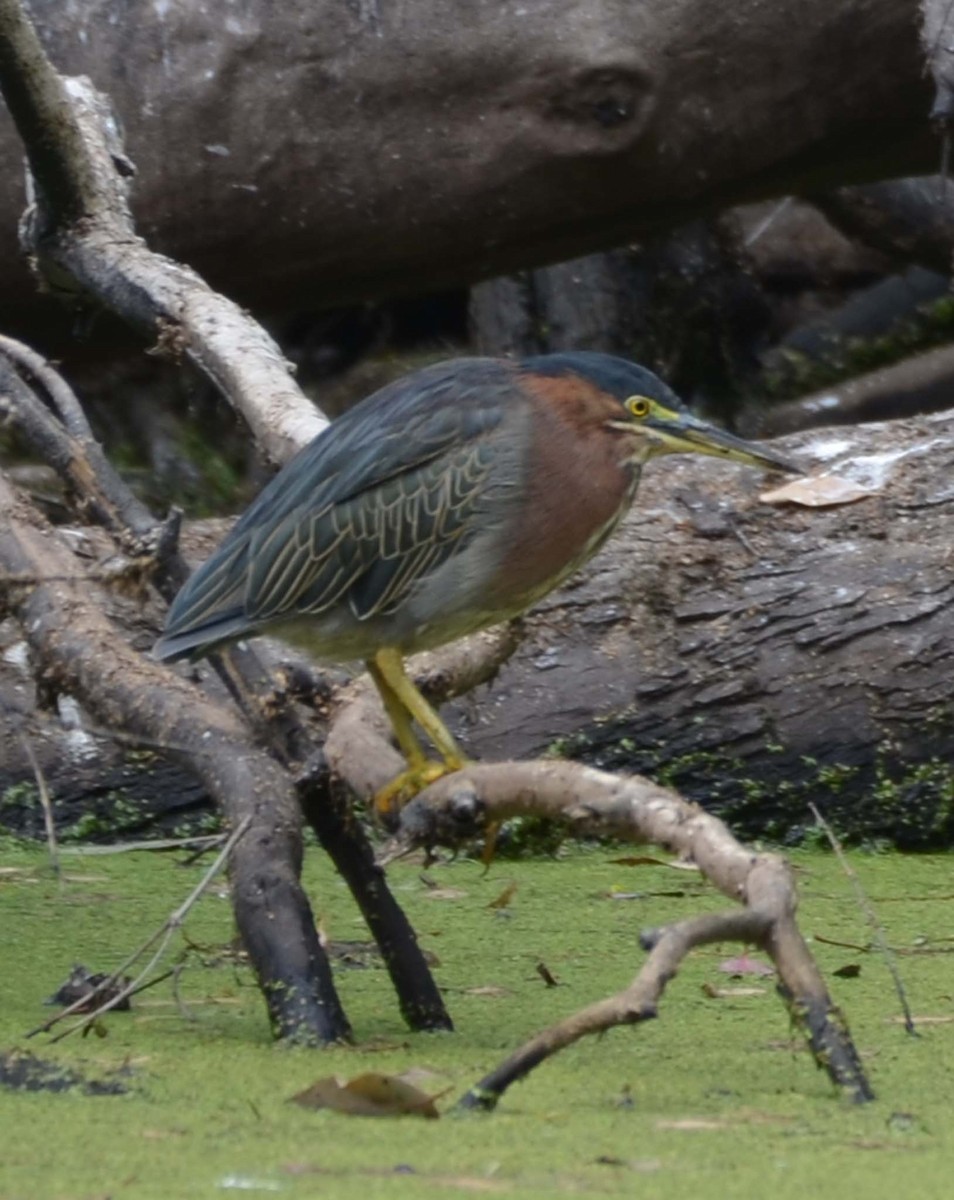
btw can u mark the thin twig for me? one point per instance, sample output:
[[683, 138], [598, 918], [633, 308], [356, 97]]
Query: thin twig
[[767, 222], [184, 1011], [871, 917], [151, 983], [205, 841], [162, 935], [46, 804], [52, 383]]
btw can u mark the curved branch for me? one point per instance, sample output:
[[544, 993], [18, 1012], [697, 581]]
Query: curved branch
[[38, 103], [79, 155], [594, 803], [67, 444]]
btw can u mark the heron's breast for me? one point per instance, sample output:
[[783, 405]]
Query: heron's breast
[[577, 486]]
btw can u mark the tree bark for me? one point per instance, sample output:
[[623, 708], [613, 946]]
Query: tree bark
[[757, 656], [908, 220], [412, 145]]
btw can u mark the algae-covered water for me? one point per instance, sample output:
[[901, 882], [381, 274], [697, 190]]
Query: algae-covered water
[[715, 1099]]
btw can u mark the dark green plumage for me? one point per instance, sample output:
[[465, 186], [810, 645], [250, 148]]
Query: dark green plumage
[[397, 526], [379, 500]]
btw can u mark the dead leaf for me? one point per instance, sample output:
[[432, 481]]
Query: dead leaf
[[545, 974], [817, 491], [83, 984], [647, 860], [848, 971], [505, 896], [692, 1124], [421, 1077], [742, 964], [488, 989], [644, 1166], [369, 1095], [470, 1183]]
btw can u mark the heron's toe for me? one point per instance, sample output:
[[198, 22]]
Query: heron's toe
[[389, 800]]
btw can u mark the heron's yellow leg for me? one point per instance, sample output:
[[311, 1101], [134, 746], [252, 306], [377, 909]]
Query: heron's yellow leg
[[389, 669], [404, 704], [407, 739]]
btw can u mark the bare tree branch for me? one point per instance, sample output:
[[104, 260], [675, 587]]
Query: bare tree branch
[[103, 257], [37, 100], [270, 714], [76, 650], [594, 803]]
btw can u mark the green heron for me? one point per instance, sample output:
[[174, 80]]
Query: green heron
[[448, 501]]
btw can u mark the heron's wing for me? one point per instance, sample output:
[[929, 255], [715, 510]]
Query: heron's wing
[[370, 549], [372, 505]]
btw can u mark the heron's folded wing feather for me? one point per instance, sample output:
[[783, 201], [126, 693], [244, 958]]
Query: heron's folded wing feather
[[372, 548]]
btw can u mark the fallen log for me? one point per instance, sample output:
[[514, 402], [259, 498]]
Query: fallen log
[[402, 147]]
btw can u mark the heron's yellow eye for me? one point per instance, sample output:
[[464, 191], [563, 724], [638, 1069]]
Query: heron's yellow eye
[[639, 406]]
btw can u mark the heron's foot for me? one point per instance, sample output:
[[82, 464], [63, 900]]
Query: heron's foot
[[389, 800]]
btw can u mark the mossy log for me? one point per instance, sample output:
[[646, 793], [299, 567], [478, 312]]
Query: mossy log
[[757, 656]]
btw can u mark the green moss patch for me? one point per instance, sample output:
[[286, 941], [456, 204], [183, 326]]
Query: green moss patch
[[717, 1098]]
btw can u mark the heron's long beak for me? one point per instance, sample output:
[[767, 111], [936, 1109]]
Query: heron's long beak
[[675, 432]]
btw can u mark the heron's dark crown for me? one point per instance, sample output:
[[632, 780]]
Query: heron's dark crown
[[615, 376]]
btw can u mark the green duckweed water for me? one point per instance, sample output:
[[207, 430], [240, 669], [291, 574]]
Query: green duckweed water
[[715, 1099]]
